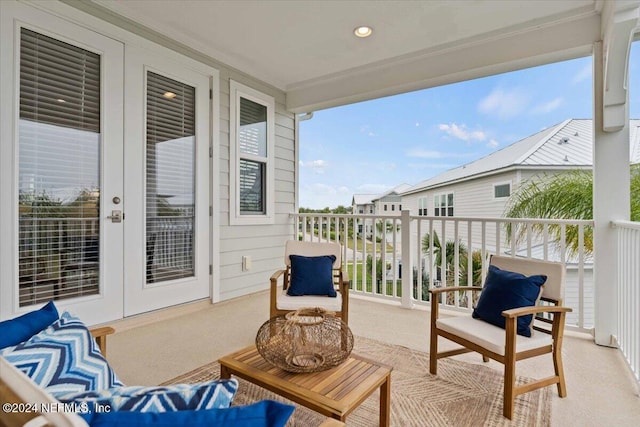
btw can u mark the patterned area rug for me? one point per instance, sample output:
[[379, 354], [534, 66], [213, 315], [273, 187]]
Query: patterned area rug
[[462, 394]]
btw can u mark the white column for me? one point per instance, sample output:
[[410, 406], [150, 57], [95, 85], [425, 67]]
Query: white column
[[611, 201]]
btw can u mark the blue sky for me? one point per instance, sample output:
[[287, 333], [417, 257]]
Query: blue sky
[[373, 146]]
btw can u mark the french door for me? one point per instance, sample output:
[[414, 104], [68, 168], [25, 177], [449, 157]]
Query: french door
[[104, 153], [166, 177]]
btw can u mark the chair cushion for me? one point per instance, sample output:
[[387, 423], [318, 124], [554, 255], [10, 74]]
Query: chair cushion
[[178, 397], [20, 329], [63, 358], [504, 290], [312, 275], [489, 336], [286, 302], [266, 413]]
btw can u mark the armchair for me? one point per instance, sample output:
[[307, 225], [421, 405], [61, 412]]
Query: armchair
[[506, 346], [281, 302]]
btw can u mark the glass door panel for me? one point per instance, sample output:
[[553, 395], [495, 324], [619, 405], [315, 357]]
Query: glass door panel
[[170, 179], [59, 170]]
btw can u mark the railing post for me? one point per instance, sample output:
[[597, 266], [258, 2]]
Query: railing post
[[407, 262]]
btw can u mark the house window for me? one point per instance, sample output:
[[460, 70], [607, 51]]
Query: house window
[[393, 207], [501, 190], [443, 204], [385, 208], [252, 156], [422, 206]]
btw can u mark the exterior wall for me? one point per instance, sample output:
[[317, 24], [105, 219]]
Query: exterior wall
[[393, 203], [263, 243]]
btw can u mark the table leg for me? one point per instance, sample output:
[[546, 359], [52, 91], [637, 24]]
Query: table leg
[[385, 402], [224, 372]]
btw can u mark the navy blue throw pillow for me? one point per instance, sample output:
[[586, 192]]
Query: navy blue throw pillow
[[266, 413], [312, 275], [504, 290], [20, 329]]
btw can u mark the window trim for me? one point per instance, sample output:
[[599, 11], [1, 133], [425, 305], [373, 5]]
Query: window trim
[[237, 91], [497, 184], [437, 196]]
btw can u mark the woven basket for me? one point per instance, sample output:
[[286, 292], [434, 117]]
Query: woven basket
[[306, 340]]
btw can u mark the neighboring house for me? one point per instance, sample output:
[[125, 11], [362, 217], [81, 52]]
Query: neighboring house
[[482, 188], [387, 203], [362, 204], [390, 202]]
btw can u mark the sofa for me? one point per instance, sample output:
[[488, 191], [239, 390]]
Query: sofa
[[53, 372]]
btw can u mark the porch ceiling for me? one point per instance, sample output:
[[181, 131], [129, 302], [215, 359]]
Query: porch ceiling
[[308, 49]]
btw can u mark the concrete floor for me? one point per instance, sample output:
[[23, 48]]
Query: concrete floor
[[152, 348]]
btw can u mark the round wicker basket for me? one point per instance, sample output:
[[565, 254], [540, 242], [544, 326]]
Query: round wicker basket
[[306, 340]]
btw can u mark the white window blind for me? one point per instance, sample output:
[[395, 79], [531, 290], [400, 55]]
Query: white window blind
[[252, 138], [58, 172], [170, 179]]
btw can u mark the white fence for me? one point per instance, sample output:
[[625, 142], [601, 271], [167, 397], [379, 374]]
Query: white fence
[[399, 257], [628, 286]]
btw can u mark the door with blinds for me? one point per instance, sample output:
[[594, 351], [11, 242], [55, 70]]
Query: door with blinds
[[65, 172], [166, 178]]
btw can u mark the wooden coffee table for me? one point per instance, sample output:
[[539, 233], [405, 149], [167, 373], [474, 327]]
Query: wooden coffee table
[[334, 393]]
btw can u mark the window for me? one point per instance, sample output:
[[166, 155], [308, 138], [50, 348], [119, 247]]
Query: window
[[170, 179], [393, 207], [59, 149], [422, 206], [443, 204], [252, 157], [385, 207], [501, 190]]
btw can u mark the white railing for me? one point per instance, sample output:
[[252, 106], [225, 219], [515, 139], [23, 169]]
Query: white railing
[[378, 249], [628, 286]]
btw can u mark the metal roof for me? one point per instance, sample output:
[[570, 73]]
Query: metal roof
[[565, 145]]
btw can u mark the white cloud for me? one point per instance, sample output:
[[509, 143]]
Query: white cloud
[[317, 166], [504, 104], [548, 107], [493, 143], [461, 132], [426, 154], [582, 75], [366, 129], [417, 124]]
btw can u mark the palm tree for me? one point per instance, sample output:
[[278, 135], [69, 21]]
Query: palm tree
[[450, 247], [567, 195]]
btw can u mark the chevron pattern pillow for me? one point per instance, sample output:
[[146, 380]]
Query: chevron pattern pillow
[[179, 397], [63, 358]]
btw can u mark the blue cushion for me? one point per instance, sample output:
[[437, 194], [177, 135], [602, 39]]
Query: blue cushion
[[20, 329], [63, 358], [178, 397], [504, 290], [266, 413], [312, 275]]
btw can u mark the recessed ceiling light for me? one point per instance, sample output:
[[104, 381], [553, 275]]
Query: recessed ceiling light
[[362, 31], [169, 95]]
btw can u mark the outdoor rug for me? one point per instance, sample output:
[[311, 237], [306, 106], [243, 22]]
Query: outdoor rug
[[462, 394]]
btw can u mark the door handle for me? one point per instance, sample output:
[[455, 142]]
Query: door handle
[[116, 216]]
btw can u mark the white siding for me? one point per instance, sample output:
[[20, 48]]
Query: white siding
[[263, 243]]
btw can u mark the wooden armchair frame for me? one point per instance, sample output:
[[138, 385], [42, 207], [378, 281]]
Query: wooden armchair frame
[[310, 249], [552, 293]]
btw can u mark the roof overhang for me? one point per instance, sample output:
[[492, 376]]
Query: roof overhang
[[307, 48]]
